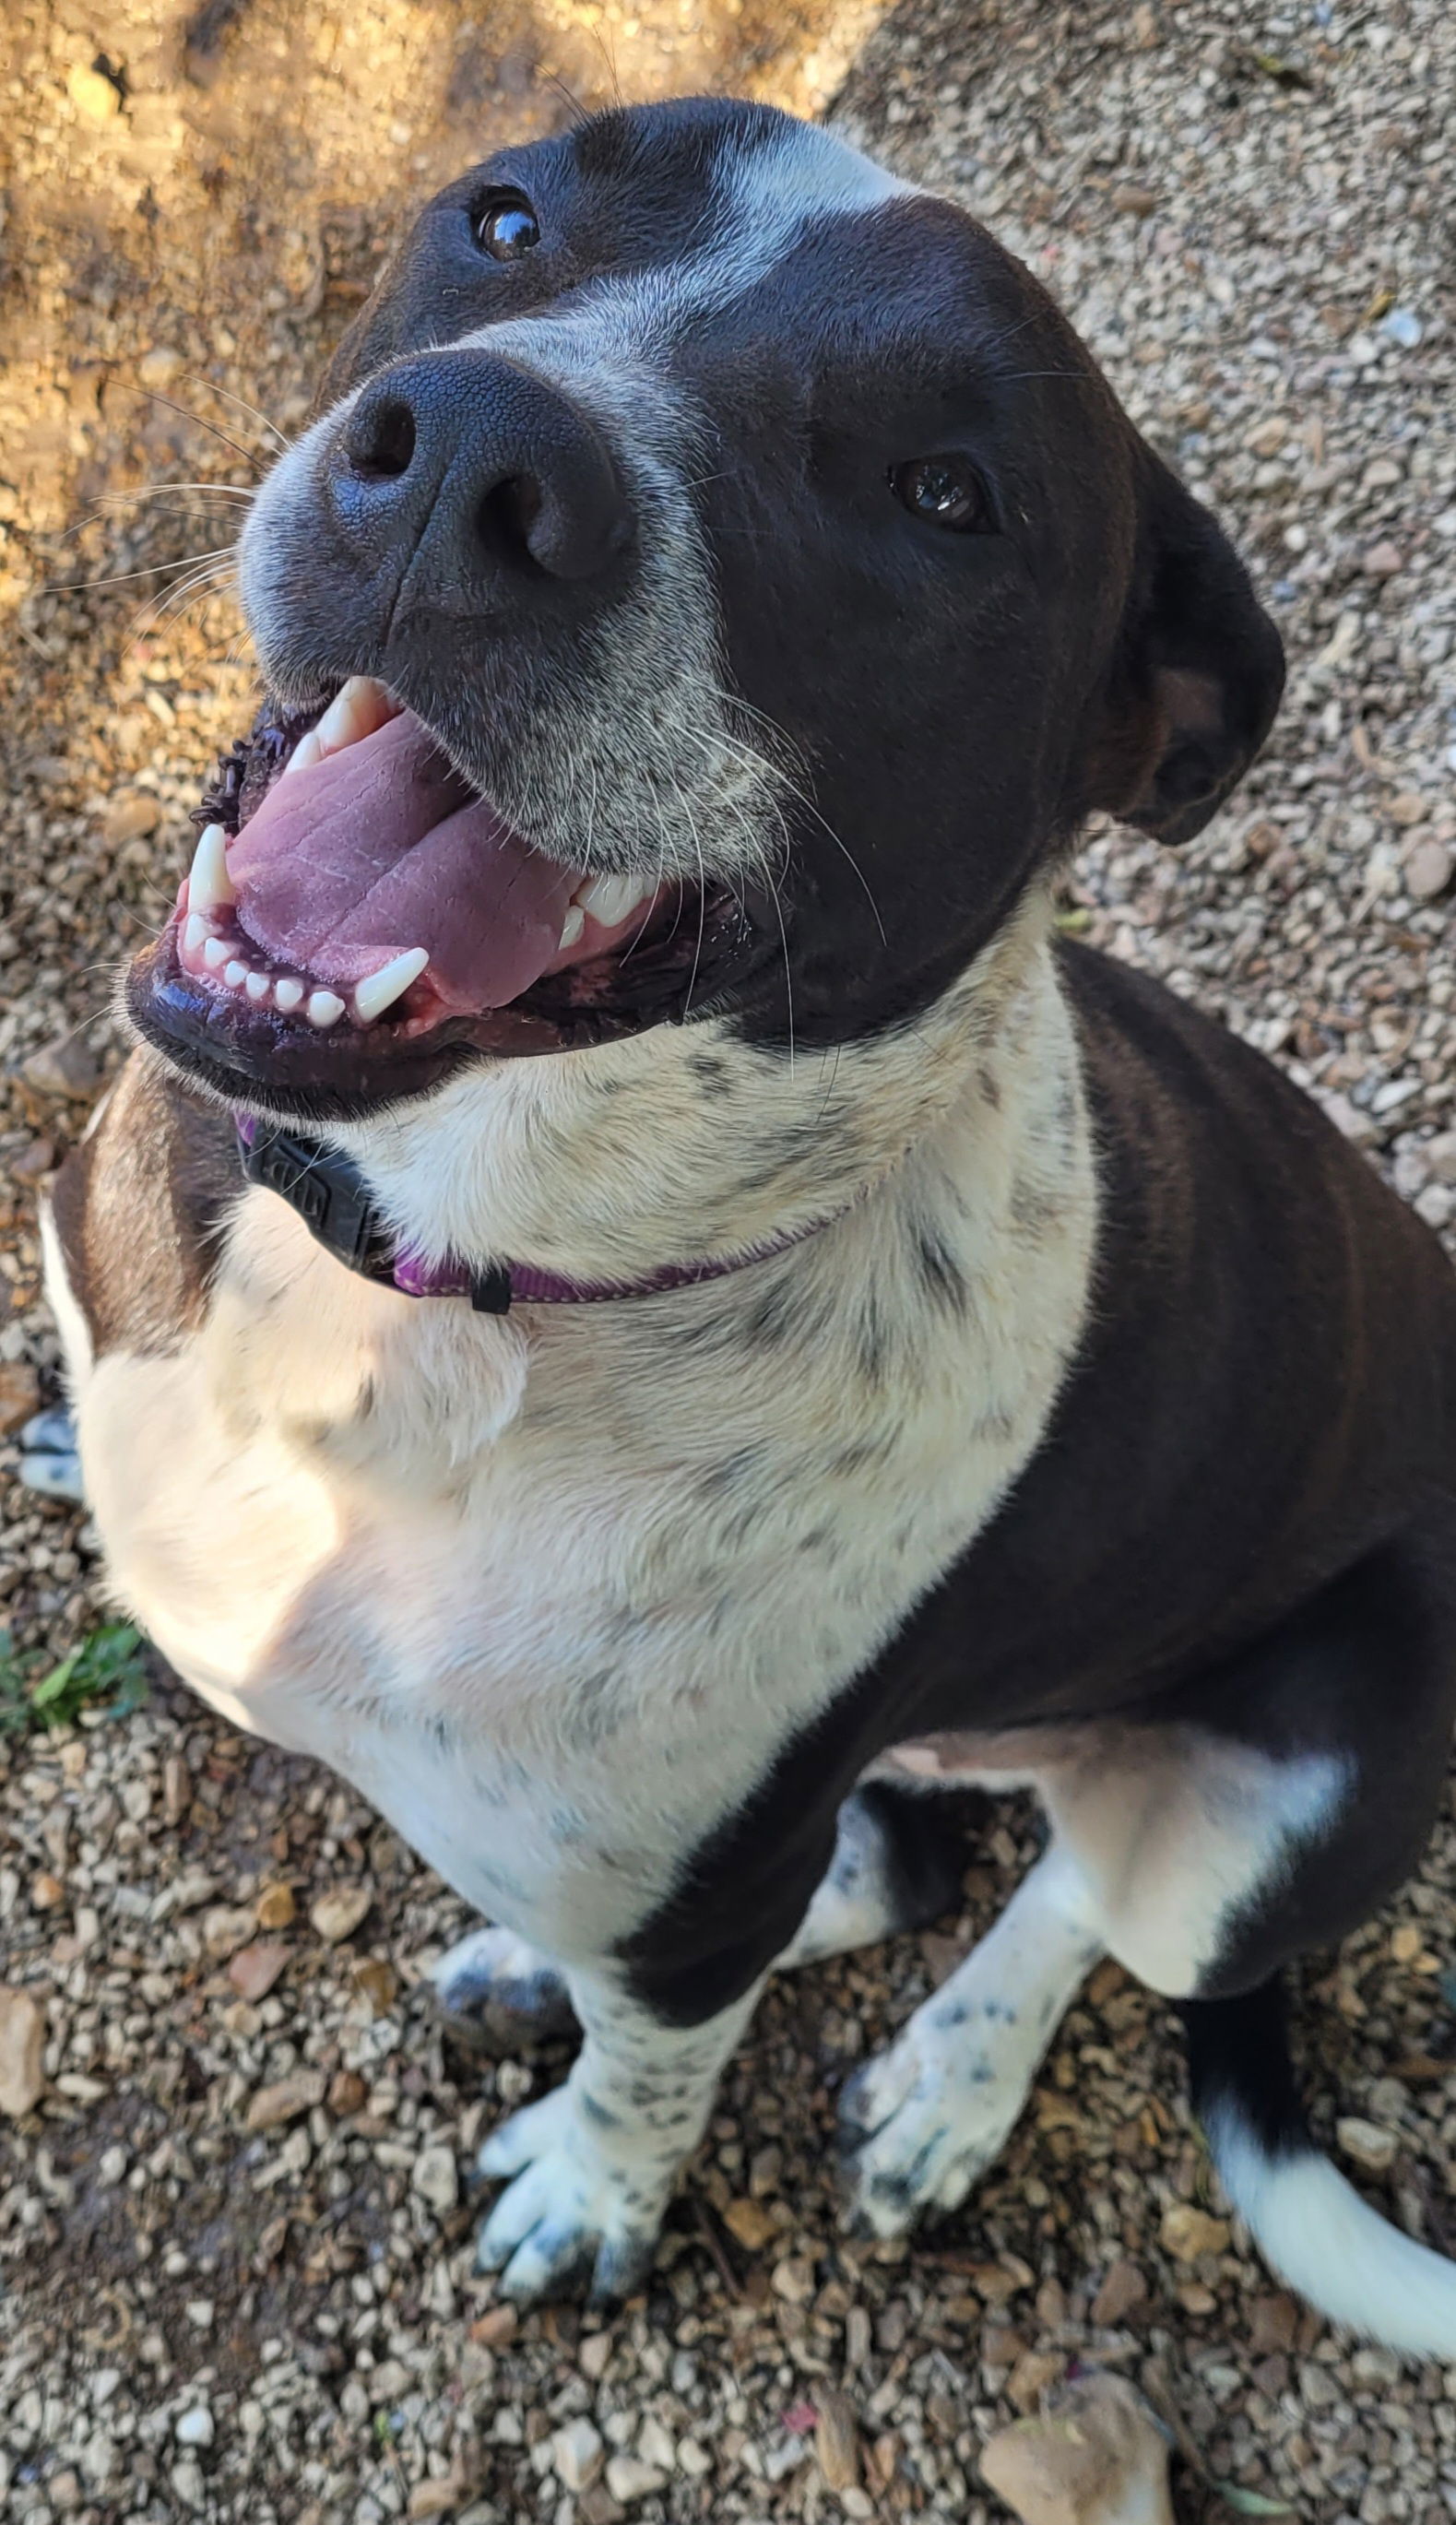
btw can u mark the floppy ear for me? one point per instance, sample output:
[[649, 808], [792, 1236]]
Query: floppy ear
[[1198, 676]]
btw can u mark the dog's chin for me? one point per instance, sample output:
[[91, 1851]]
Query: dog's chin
[[225, 997]]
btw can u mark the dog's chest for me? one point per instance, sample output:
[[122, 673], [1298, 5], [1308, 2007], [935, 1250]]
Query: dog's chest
[[555, 1599]]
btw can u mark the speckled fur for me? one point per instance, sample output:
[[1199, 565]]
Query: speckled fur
[[553, 1591]]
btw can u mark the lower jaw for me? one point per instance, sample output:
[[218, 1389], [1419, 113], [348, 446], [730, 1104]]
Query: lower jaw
[[286, 1067]]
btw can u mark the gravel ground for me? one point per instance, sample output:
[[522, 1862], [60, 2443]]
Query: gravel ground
[[236, 2224]]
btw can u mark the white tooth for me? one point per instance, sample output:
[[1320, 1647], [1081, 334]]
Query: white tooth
[[609, 899], [288, 993], [235, 974], [379, 991], [326, 1008], [209, 888], [256, 986], [194, 934], [574, 924], [308, 750], [356, 709], [214, 952]]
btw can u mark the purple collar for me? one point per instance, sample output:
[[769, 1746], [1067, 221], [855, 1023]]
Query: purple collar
[[331, 1197]]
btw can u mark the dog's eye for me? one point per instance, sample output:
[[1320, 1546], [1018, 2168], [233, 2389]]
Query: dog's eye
[[507, 228], [944, 490]]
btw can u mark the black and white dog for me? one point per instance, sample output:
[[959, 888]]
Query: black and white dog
[[682, 1317]]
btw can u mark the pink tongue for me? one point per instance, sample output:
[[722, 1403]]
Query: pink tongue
[[383, 848]]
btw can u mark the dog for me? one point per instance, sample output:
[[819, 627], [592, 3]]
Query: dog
[[638, 1297]]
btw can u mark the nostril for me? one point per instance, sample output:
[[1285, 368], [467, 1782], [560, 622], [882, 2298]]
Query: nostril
[[380, 440], [507, 513]]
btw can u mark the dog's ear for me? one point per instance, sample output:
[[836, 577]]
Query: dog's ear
[[1198, 673]]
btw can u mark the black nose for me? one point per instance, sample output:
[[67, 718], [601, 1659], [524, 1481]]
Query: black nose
[[460, 466]]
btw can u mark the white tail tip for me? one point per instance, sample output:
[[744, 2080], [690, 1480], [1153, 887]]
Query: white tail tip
[[1334, 2250]]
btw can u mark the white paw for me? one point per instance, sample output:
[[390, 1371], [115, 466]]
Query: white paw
[[917, 2130], [49, 1462], [572, 2211], [501, 1991]]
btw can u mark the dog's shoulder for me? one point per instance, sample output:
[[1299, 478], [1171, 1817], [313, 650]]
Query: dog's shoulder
[[137, 1210]]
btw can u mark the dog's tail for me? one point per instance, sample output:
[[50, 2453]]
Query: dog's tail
[[1311, 2226]]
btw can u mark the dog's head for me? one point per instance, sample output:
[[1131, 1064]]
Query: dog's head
[[717, 580]]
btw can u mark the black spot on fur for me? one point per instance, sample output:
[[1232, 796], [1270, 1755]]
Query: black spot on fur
[[1031, 1211], [940, 1271], [872, 1343]]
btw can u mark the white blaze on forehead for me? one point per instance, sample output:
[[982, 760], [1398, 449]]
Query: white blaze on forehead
[[769, 192]]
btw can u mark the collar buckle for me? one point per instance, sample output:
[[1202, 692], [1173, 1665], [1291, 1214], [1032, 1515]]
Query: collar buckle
[[327, 1192]]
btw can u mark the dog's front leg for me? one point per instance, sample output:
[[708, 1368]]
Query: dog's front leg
[[593, 2164]]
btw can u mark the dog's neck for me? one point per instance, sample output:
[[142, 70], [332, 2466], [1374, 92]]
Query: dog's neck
[[615, 1164]]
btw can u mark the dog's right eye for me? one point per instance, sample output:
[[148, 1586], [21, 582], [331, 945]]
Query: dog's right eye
[[945, 491], [506, 228]]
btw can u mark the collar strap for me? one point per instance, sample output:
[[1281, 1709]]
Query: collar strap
[[331, 1196]]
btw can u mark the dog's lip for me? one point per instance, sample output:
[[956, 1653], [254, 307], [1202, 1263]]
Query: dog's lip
[[292, 1070], [366, 878], [668, 957]]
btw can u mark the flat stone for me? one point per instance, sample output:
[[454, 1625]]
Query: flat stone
[[435, 2498], [1382, 560], [1429, 871], [576, 2453], [337, 1914], [196, 2428], [93, 95], [1366, 2144], [276, 1907], [629, 2479], [435, 2176], [65, 1067], [1032, 2377], [225, 1929], [285, 2100], [22, 2043], [1188, 2234], [19, 1396], [751, 2223], [1408, 807], [594, 2356], [836, 2442], [1123, 2289], [255, 1969], [130, 818]]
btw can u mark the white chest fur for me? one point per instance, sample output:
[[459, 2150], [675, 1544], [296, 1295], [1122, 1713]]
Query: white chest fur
[[553, 1593]]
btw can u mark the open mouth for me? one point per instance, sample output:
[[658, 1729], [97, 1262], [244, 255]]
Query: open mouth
[[357, 920]]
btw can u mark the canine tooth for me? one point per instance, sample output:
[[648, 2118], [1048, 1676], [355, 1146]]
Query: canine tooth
[[379, 991], [609, 899], [256, 986], [195, 933], [209, 888], [356, 709], [214, 952], [235, 974], [308, 750], [288, 993], [574, 924], [326, 1008]]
